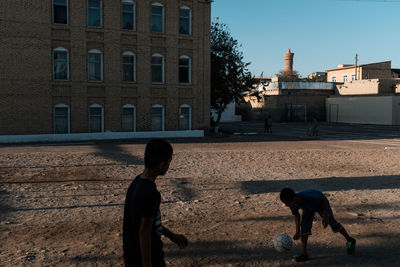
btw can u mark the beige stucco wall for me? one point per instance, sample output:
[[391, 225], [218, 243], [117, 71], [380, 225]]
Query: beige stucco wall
[[383, 110], [369, 87]]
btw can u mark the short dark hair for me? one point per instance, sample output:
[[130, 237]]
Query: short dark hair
[[157, 151], [287, 194]]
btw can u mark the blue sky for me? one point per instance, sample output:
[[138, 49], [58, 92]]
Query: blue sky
[[321, 33]]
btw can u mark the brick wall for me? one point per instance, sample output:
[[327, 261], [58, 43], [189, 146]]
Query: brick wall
[[28, 92]]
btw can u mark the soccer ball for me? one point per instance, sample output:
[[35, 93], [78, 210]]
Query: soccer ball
[[283, 242]]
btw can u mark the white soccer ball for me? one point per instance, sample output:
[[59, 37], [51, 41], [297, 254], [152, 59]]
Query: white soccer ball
[[283, 242]]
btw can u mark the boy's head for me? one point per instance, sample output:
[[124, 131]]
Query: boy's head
[[288, 196], [158, 155]]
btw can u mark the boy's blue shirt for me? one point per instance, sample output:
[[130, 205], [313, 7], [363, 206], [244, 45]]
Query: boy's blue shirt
[[311, 200]]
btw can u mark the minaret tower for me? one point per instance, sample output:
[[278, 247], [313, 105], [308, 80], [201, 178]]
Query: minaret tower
[[288, 61]]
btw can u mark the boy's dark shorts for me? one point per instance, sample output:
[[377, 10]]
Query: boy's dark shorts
[[307, 218]]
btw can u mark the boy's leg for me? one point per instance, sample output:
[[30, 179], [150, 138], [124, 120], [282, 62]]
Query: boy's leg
[[305, 230]]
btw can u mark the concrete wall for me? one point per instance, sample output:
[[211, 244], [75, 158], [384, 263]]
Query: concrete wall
[[229, 115], [369, 87], [381, 70], [383, 110]]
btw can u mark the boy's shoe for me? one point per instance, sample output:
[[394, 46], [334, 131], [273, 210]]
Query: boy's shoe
[[300, 257], [351, 246]]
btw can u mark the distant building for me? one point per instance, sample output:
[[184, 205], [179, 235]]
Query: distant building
[[317, 76], [345, 73]]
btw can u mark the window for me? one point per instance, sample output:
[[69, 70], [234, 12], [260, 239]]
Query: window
[[96, 119], [333, 79], [61, 119], [157, 68], [60, 11], [157, 118], [60, 64], [128, 67], [184, 20], [157, 17], [128, 118], [184, 69], [128, 15], [94, 13], [344, 78], [95, 65], [353, 77], [184, 117]]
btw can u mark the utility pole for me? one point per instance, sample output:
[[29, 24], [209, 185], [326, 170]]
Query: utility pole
[[356, 65]]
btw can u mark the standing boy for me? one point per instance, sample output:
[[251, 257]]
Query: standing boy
[[311, 201], [142, 228]]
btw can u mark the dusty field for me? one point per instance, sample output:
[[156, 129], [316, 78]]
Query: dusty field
[[62, 205]]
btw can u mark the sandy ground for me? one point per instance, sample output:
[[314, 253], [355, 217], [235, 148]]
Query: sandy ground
[[62, 205]]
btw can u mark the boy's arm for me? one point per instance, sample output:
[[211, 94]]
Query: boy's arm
[[180, 240], [325, 214], [145, 240], [297, 223]]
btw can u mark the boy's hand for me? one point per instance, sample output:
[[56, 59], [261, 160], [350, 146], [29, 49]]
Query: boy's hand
[[296, 236], [180, 240]]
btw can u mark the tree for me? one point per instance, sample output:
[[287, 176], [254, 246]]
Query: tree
[[230, 78], [288, 74]]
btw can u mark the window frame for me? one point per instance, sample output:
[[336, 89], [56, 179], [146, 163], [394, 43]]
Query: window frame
[[95, 51], [52, 13], [345, 78], [133, 14], [68, 118], [189, 69], [162, 116], [60, 49], [101, 14], [134, 117], [190, 20], [102, 117], [156, 4], [353, 77], [189, 119], [333, 79], [162, 69], [124, 54]]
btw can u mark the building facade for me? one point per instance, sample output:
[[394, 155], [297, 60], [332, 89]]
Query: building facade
[[345, 73], [87, 66]]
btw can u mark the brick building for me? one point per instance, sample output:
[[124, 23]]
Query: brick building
[[79, 66]]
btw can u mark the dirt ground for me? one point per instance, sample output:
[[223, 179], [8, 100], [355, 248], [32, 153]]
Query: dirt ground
[[62, 205]]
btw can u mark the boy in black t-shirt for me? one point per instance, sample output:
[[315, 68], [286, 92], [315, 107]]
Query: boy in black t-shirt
[[142, 228]]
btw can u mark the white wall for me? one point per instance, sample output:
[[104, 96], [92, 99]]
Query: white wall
[[228, 115], [383, 110]]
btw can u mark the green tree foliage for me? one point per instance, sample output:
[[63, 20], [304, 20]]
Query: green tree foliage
[[288, 74], [230, 78]]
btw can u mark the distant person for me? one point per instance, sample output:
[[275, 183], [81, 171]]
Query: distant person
[[142, 228], [311, 201], [267, 124], [270, 124], [314, 127]]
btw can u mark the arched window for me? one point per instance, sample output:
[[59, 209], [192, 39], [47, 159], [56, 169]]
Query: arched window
[[157, 68], [61, 119], [96, 118], [128, 118], [157, 18], [185, 17], [128, 15], [95, 65], [185, 117], [184, 70], [128, 67], [60, 11], [60, 64], [157, 118], [94, 13]]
